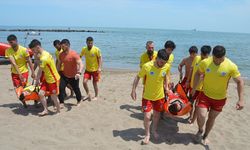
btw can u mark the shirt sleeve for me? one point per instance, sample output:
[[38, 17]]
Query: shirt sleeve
[[202, 67], [142, 72], [7, 54], [235, 72], [76, 56], [26, 53], [82, 52]]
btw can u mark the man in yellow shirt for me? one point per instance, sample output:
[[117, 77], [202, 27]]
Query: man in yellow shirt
[[19, 57], [217, 71], [51, 76], [155, 72], [93, 60], [169, 47], [205, 52], [149, 55]]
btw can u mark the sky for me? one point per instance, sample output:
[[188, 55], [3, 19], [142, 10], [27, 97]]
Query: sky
[[203, 15]]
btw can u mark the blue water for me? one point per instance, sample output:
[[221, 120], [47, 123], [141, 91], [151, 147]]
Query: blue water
[[122, 47]]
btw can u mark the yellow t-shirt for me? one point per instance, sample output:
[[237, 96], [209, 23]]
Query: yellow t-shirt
[[57, 53], [217, 77], [144, 58], [195, 65], [20, 57], [153, 88], [49, 68], [91, 57], [171, 59]]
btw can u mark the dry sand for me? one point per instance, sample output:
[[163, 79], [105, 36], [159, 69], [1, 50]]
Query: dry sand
[[112, 122]]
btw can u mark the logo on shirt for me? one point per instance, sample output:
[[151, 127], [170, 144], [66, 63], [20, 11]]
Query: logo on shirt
[[196, 64], [223, 74], [164, 74], [93, 55], [208, 70], [152, 73]]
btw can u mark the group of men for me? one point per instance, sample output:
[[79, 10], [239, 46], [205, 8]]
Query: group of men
[[206, 80], [53, 77]]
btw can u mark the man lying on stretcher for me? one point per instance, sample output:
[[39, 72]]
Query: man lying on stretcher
[[177, 103]]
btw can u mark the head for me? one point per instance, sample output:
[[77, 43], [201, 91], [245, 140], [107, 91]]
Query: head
[[36, 48], [219, 53], [205, 51], [12, 40], [57, 45], [65, 44], [150, 47], [193, 50], [169, 47], [174, 108], [89, 42], [162, 58]]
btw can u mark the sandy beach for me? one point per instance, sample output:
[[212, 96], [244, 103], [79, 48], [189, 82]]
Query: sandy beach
[[112, 122]]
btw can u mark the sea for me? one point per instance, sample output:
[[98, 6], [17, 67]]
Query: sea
[[121, 47]]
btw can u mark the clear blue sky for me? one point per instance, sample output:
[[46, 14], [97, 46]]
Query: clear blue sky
[[206, 15]]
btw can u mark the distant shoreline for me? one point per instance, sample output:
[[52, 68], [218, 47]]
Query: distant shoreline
[[48, 30]]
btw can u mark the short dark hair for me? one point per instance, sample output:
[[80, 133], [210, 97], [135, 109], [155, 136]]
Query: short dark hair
[[170, 44], [173, 109], [219, 51], [56, 42], [193, 49], [34, 43], [89, 39], [65, 41], [149, 42], [11, 37], [206, 49], [162, 54]]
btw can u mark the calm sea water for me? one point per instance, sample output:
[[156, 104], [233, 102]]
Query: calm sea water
[[122, 47]]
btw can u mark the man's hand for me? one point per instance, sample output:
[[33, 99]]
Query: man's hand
[[33, 75], [133, 95], [77, 76], [21, 78], [239, 105]]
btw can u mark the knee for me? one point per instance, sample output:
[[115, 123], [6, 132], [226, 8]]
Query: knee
[[85, 81], [41, 93]]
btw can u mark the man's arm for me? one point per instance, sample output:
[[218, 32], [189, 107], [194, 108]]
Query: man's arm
[[166, 83], [197, 80], [80, 65], [58, 65], [240, 86], [180, 68], [189, 77], [100, 63], [39, 74], [31, 67], [135, 84]]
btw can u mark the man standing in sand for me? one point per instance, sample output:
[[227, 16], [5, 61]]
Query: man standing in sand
[[93, 60], [19, 57], [149, 55], [217, 71], [72, 70], [187, 62], [155, 74], [58, 51], [51, 77], [205, 52]]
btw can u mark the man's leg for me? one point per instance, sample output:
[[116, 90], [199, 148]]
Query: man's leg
[[96, 89], [201, 118], [56, 102], [210, 123], [62, 87], [75, 85], [86, 88], [156, 117], [44, 103], [147, 117]]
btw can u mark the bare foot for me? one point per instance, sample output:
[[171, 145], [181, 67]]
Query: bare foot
[[94, 99], [87, 98], [145, 140], [44, 113], [78, 104]]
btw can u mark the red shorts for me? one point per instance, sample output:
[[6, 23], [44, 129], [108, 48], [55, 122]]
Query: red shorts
[[209, 103], [52, 88], [148, 105], [95, 75], [16, 80]]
